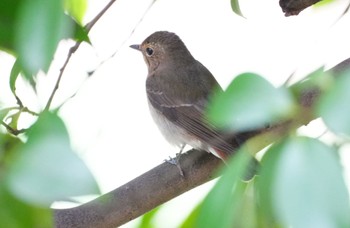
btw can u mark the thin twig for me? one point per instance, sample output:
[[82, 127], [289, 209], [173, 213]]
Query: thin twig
[[6, 110], [123, 43], [344, 12], [12, 130], [111, 56], [23, 109], [27, 110], [98, 16], [72, 50], [289, 78]]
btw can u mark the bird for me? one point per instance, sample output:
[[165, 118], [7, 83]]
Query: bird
[[179, 89]]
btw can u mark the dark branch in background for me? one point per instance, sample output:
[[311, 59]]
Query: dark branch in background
[[164, 182], [72, 50], [294, 7]]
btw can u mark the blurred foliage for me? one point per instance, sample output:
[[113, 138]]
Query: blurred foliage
[[223, 204], [33, 158], [334, 106], [24, 30], [147, 220], [302, 184], [250, 102], [235, 7], [37, 164], [76, 9]]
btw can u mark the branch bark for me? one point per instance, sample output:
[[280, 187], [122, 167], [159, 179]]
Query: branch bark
[[294, 7], [142, 194]]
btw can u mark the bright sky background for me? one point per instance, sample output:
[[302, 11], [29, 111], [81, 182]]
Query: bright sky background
[[108, 119]]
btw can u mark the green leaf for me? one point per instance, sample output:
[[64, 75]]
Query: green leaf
[[323, 3], [192, 218], [250, 102], [235, 7], [8, 12], [7, 145], [17, 214], [46, 169], [317, 81], [147, 220], [40, 26], [334, 106], [76, 9], [223, 203], [14, 119], [80, 33], [302, 185], [15, 71], [3, 113]]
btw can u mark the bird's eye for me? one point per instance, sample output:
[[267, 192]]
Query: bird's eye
[[149, 51]]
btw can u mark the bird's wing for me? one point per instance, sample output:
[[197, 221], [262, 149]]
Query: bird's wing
[[190, 116]]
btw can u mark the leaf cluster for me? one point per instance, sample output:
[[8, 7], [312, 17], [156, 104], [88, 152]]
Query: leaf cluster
[[37, 163]]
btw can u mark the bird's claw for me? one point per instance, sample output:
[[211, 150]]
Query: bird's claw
[[176, 161]]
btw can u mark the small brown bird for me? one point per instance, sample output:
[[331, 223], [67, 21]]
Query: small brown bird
[[178, 89]]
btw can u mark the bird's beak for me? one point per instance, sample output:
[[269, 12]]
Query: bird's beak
[[136, 47]]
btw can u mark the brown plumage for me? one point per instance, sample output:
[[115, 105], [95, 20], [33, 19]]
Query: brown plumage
[[178, 89]]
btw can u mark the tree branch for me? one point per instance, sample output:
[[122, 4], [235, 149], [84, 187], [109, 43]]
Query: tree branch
[[164, 182], [294, 7], [142, 194]]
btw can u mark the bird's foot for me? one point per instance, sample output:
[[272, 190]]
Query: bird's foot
[[176, 161]]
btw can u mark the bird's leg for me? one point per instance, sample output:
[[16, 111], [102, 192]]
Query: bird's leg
[[176, 160]]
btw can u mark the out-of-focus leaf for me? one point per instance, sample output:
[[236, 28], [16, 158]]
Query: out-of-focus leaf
[[334, 106], [9, 23], [76, 9], [40, 26], [235, 7], [302, 185], [7, 145], [147, 220], [250, 102], [3, 113], [323, 3], [14, 120], [8, 12], [222, 204], [17, 214], [46, 169], [80, 33], [319, 78], [246, 216], [191, 220], [16, 70]]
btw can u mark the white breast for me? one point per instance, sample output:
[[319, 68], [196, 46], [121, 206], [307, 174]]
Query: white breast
[[173, 133]]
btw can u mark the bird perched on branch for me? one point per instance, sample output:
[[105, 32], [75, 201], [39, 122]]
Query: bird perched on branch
[[178, 90]]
